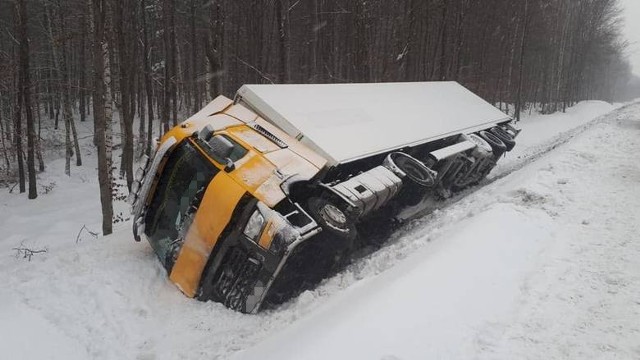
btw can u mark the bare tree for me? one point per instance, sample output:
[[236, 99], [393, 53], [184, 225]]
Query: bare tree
[[102, 111], [25, 91], [147, 77]]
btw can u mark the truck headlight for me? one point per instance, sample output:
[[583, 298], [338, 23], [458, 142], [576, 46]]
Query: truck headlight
[[254, 226]]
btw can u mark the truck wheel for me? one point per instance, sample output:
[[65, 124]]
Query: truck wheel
[[496, 144], [332, 218], [503, 135], [483, 149], [412, 168]]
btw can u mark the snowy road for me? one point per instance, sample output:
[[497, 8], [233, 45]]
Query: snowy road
[[543, 262]]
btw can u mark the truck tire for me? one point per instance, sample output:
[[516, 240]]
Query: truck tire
[[332, 217], [496, 144], [411, 168], [483, 149], [503, 135]]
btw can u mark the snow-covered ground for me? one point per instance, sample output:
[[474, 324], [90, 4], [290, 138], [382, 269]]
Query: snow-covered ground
[[541, 262]]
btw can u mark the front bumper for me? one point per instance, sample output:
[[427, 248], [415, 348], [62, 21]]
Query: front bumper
[[241, 271]]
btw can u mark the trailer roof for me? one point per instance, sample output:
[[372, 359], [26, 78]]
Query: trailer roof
[[346, 122]]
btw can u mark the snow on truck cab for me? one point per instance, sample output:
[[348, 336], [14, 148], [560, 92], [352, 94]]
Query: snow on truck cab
[[251, 200]]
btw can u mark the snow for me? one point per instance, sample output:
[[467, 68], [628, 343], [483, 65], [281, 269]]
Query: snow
[[425, 306], [345, 122], [18, 339], [527, 267], [541, 262], [543, 132]]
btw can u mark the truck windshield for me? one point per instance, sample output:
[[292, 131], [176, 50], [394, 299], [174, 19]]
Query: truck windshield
[[181, 185]]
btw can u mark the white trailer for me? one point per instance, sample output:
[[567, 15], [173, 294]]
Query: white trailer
[[348, 122]]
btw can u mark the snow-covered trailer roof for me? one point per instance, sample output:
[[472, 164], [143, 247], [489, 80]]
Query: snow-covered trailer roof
[[346, 122]]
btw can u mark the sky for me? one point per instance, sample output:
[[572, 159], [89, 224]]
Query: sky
[[631, 11]]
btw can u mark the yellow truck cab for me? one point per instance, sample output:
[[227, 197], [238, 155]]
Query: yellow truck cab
[[251, 200]]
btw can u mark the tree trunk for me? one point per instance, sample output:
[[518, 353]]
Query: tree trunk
[[26, 96], [100, 106], [282, 13], [82, 105], [214, 46], [147, 79], [41, 166], [443, 42], [363, 68], [17, 127], [166, 98], [174, 61], [17, 111], [60, 65], [518, 106], [2, 140], [125, 80], [195, 93]]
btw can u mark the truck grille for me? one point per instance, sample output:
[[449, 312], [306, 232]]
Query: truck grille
[[237, 278]]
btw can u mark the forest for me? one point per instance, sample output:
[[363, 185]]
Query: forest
[[138, 67]]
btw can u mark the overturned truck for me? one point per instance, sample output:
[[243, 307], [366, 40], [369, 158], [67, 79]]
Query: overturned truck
[[251, 200]]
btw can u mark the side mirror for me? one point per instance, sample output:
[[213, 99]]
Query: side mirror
[[220, 146], [229, 166], [221, 149]]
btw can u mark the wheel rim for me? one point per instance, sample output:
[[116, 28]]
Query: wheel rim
[[480, 142], [492, 139], [500, 132], [333, 215], [414, 171]]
